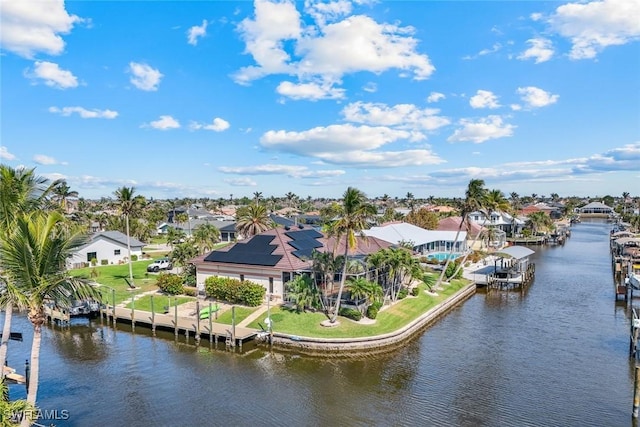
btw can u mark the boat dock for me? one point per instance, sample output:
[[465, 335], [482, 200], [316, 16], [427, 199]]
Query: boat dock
[[232, 335], [11, 375]]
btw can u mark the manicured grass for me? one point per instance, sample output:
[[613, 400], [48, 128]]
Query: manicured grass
[[113, 276], [159, 302], [241, 314], [389, 320]]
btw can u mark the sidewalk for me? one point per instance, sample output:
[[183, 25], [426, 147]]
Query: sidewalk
[[253, 316]]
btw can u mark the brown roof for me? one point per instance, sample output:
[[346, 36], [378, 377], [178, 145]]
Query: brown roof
[[452, 223], [364, 246]]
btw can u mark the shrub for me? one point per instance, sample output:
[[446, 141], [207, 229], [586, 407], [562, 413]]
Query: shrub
[[350, 313], [134, 257], [94, 262], [104, 262], [403, 293], [170, 283], [415, 291], [234, 291], [372, 311]]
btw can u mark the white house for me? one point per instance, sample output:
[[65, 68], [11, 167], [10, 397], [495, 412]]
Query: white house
[[422, 241], [107, 247]]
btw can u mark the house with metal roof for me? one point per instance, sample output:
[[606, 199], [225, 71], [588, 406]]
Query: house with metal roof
[[106, 247], [596, 209], [422, 241]]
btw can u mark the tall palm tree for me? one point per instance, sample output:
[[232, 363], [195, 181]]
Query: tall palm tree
[[21, 191], [205, 237], [128, 205], [474, 197], [62, 193], [34, 259], [354, 216], [257, 196], [252, 220], [290, 197]]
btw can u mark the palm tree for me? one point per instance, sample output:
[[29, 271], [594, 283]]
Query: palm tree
[[62, 193], [354, 215], [34, 259], [205, 237], [474, 196], [21, 191], [252, 220], [302, 293], [174, 236], [361, 288], [539, 222], [257, 196], [290, 197], [128, 205], [16, 407]]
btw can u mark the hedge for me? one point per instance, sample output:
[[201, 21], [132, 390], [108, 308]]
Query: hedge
[[234, 291]]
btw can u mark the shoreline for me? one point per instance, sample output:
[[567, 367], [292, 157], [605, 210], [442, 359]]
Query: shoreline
[[354, 347]]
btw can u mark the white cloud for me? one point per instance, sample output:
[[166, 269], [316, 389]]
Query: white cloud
[[593, 26], [289, 170], [42, 159], [370, 87], [280, 43], [484, 99], [5, 154], [400, 115], [144, 77], [482, 130], [84, 113], [29, 27], [541, 50], [241, 182], [218, 125], [196, 32], [309, 91], [435, 97], [164, 123], [53, 75], [535, 97], [349, 145]]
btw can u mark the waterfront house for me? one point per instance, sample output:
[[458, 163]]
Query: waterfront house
[[474, 231], [106, 247], [421, 241], [595, 209], [274, 257], [508, 224]]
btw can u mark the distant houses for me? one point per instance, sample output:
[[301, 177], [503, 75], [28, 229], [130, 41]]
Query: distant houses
[[596, 209]]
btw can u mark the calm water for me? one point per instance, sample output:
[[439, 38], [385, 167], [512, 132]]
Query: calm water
[[555, 355]]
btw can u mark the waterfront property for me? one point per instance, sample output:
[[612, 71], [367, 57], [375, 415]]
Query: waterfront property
[[596, 210], [422, 241], [508, 268], [106, 247]]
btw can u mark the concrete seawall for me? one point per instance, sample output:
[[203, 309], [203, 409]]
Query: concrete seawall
[[345, 347]]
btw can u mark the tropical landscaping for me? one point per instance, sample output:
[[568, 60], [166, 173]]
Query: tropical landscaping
[[341, 295]]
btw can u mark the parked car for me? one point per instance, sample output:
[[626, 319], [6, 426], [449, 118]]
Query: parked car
[[160, 264]]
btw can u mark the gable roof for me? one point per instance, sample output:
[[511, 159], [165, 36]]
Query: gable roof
[[517, 252], [117, 237]]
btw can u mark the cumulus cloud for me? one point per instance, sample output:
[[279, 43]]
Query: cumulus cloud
[[280, 42], [42, 159], [288, 170], [52, 75], [309, 91], [540, 50], [196, 32], [84, 113], [241, 182], [407, 116], [591, 27], [30, 27], [435, 97], [5, 154], [482, 130], [144, 77], [534, 97], [484, 99], [218, 125], [625, 158], [163, 123]]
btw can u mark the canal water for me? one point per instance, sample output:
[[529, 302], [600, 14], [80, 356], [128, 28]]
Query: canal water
[[554, 355]]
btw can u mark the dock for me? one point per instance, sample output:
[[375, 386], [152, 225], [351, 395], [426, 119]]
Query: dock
[[11, 375], [187, 325]]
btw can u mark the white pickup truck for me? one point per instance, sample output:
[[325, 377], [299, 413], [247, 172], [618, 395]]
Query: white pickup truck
[[160, 264]]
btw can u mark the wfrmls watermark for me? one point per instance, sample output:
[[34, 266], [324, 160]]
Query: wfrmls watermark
[[38, 415]]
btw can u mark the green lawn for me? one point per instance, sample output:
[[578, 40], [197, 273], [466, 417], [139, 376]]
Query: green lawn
[[159, 302], [112, 276], [389, 320], [241, 314]]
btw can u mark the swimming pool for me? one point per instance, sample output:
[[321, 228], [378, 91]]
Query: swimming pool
[[442, 256]]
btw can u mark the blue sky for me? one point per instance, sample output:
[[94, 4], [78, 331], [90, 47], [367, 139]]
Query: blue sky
[[209, 98]]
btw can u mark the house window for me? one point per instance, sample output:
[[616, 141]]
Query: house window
[[242, 277], [270, 285], [91, 255], [286, 276], [116, 251]]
